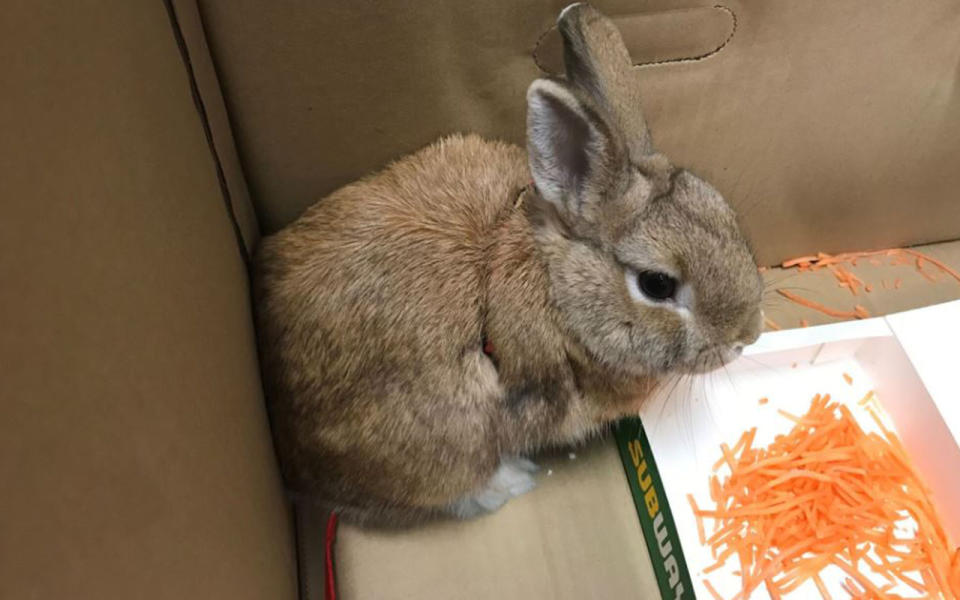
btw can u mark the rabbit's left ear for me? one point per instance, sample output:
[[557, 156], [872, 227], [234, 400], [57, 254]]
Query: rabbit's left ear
[[597, 63], [576, 158]]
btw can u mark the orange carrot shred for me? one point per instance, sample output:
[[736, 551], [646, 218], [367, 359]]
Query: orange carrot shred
[[847, 378], [816, 306], [772, 589], [804, 323], [696, 510], [771, 324], [796, 261], [763, 400], [712, 590], [821, 588], [939, 264]]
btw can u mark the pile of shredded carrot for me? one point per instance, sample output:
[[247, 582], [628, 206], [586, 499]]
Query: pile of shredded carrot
[[847, 279], [827, 495]]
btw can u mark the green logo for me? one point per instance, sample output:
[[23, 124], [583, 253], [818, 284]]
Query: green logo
[[656, 520]]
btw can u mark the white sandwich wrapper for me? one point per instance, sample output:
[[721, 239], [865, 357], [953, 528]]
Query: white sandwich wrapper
[[910, 359]]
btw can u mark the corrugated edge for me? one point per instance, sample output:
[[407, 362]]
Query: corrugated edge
[[734, 24], [213, 118]]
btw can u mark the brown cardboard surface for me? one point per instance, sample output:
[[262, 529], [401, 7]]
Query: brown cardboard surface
[[215, 112], [575, 537], [833, 125], [821, 286], [577, 534], [135, 456]]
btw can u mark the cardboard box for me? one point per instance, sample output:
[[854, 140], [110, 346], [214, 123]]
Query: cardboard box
[[909, 359]]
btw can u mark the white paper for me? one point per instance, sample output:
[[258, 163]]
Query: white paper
[[896, 356]]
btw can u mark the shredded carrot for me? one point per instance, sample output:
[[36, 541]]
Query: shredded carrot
[[796, 261], [696, 509], [920, 270], [764, 400], [772, 589], [827, 495], [847, 279], [712, 590], [939, 264], [816, 306], [771, 324], [804, 323], [847, 378], [821, 588]]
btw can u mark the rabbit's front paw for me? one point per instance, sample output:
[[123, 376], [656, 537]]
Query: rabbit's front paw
[[514, 477]]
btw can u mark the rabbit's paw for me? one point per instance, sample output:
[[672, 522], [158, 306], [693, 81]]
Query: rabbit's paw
[[514, 477]]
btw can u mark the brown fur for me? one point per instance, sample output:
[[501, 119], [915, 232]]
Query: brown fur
[[374, 305]]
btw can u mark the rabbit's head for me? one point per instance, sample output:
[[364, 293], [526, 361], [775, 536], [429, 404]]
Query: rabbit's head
[[648, 267]]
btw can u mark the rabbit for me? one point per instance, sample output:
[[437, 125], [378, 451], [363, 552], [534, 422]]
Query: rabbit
[[426, 329]]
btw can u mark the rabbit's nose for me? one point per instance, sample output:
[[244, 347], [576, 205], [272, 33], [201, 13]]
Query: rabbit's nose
[[752, 330]]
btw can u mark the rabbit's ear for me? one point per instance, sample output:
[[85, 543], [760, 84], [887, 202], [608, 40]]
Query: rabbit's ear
[[576, 158], [598, 63]]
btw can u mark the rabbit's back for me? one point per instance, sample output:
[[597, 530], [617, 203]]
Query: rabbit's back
[[370, 306]]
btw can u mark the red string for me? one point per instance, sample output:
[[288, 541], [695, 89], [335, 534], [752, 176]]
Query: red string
[[331, 536]]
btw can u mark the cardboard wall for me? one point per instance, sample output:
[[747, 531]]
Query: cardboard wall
[[829, 125]]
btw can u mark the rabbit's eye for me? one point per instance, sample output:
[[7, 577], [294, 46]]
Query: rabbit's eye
[[657, 286]]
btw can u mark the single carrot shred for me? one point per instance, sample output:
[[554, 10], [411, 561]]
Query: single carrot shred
[[771, 324], [804, 323], [696, 509], [796, 261], [827, 495], [847, 378], [821, 588], [763, 400], [816, 306], [713, 591], [939, 264]]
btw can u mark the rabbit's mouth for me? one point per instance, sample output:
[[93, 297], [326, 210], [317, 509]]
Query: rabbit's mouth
[[710, 358]]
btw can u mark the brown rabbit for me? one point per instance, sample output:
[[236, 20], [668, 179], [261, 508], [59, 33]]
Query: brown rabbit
[[424, 328]]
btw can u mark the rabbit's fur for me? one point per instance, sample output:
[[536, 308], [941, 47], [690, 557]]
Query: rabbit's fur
[[374, 306]]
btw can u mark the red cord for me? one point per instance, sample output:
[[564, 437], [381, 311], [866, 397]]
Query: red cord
[[331, 591], [488, 347]]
